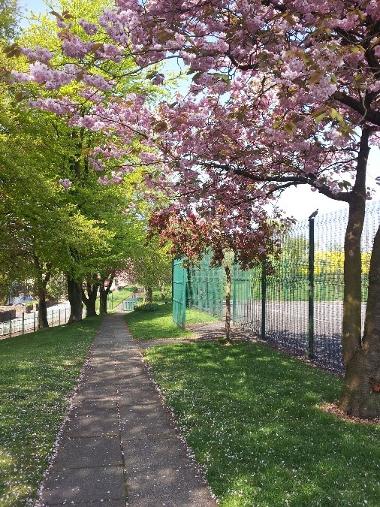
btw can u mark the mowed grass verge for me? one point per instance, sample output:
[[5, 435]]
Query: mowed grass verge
[[251, 416], [37, 373], [159, 323]]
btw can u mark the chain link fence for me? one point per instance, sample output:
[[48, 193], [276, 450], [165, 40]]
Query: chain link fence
[[296, 302]]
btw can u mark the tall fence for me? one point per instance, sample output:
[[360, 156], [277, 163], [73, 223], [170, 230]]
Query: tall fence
[[296, 303]]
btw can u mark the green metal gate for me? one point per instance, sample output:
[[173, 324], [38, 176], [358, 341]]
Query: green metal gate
[[179, 292]]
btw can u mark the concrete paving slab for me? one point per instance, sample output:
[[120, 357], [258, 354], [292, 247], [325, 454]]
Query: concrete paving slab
[[85, 485], [139, 424], [90, 406], [99, 391], [83, 452], [86, 425]]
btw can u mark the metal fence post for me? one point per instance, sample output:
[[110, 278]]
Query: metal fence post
[[263, 298], [172, 281], [234, 295], [23, 323], [59, 316], [10, 326], [311, 282], [34, 321]]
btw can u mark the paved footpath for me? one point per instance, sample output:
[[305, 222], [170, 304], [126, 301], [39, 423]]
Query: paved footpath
[[119, 446]]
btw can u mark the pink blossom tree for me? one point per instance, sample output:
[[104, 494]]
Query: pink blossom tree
[[319, 63], [284, 93]]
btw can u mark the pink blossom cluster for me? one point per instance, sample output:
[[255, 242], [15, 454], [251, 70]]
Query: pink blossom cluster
[[65, 183], [89, 28], [74, 47], [98, 81], [96, 164], [39, 54], [60, 106]]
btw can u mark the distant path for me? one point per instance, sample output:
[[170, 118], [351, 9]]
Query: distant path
[[119, 446]]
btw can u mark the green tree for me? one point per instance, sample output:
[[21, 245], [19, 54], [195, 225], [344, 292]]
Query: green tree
[[151, 266], [91, 263], [8, 19]]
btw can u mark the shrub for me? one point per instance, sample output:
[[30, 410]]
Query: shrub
[[146, 307]]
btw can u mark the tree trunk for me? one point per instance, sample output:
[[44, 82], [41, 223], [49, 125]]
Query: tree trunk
[[103, 301], [90, 299], [74, 291], [352, 336], [104, 290], [361, 395], [352, 280], [149, 294], [43, 277], [42, 307], [90, 308], [227, 270], [189, 292]]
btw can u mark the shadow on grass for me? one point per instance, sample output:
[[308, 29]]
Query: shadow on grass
[[37, 372], [251, 416]]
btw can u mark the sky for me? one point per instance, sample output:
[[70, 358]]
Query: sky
[[298, 202], [36, 6]]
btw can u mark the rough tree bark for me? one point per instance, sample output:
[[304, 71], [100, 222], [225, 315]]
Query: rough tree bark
[[361, 395], [44, 275], [74, 292], [149, 294], [103, 296], [189, 292], [42, 308], [104, 290], [227, 270], [357, 396], [89, 299]]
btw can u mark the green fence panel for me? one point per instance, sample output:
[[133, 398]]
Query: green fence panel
[[179, 292], [206, 285]]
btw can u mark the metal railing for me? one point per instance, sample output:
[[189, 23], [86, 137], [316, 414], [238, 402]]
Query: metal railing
[[28, 322]]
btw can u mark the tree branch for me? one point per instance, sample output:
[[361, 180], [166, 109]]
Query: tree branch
[[359, 107]]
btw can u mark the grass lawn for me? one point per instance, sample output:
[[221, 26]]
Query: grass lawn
[[250, 415], [159, 323], [37, 372]]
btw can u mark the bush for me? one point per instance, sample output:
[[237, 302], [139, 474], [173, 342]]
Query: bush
[[147, 307], [163, 295], [29, 308], [166, 295]]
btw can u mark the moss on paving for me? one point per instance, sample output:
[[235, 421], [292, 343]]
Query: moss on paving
[[159, 323], [37, 372], [251, 416]]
